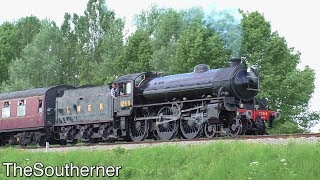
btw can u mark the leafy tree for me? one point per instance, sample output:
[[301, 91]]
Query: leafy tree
[[166, 34], [199, 45], [162, 58], [26, 29], [69, 70], [137, 53], [13, 38], [108, 69], [169, 25], [7, 48], [39, 65], [89, 32], [277, 66], [147, 20], [166, 28]]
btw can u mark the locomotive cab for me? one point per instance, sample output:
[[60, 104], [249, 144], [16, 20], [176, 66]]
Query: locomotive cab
[[129, 88], [123, 103]]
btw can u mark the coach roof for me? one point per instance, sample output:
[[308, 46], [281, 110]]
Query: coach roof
[[25, 93]]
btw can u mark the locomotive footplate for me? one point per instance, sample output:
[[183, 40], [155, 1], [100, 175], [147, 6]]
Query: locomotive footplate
[[168, 118]]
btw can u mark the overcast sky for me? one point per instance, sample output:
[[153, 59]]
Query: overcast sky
[[295, 20]]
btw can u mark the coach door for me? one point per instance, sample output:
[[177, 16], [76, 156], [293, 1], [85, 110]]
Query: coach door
[[125, 98]]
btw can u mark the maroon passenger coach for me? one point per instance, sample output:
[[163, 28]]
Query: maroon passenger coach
[[25, 116]]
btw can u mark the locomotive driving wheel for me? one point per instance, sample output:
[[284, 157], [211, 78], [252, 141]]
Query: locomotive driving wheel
[[210, 130], [166, 130], [138, 130], [190, 127], [235, 127]]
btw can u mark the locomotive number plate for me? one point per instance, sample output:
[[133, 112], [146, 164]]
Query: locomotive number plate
[[263, 113], [125, 103]]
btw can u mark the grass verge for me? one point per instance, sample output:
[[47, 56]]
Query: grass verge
[[219, 160]]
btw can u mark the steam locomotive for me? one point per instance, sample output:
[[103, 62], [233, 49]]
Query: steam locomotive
[[148, 105]]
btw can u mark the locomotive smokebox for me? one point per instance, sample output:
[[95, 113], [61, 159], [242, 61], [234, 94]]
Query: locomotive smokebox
[[235, 62]]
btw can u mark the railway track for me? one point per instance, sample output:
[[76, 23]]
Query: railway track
[[174, 141]]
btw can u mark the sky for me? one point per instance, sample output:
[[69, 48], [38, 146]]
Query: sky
[[296, 21]]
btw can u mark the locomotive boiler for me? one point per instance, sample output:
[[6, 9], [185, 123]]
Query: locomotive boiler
[[237, 80]]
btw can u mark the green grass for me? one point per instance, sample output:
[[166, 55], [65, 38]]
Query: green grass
[[214, 161]]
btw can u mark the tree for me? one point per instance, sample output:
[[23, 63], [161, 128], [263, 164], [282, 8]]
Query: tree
[[13, 38], [40, 62], [108, 69], [169, 24], [281, 81], [163, 57], [69, 71], [168, 27], [26, 29], [147, 20], [137, 53], [199, 45], [7, 48], [89, 32]]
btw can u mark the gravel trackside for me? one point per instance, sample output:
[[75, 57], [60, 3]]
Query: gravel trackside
[[273, 141]]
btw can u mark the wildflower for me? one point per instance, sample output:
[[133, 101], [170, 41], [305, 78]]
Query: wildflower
[[282, 160], [254, 163], [285, 164]]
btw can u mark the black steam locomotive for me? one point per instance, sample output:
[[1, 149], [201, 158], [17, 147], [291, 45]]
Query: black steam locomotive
[[147, 105]]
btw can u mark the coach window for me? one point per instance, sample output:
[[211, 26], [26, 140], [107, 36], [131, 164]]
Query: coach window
[[6, 109], [21, 110], [40, 105]]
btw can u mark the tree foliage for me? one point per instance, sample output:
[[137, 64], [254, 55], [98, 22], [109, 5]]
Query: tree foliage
[[93, 49], [137, 53], [40, 62], [197, 45], [13, 38], [7, 53], [281, 81], [113, 45], [89, 32]]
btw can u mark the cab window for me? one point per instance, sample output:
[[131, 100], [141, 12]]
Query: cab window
[[125, 88], [139, 80], [128, 88]]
